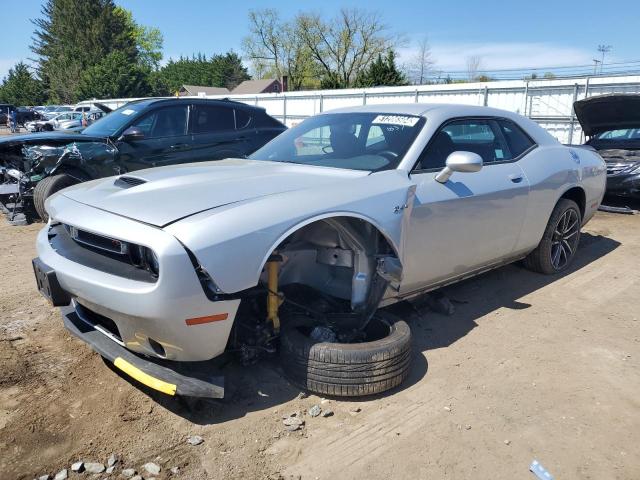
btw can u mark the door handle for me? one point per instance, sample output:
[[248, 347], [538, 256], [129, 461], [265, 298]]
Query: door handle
[[515, 178], [179, 146]]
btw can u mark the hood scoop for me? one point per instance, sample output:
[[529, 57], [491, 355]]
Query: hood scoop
[[128, 182]]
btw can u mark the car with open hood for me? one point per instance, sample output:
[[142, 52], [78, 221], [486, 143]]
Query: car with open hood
[[612, 125], [141, 134], [298, 247]]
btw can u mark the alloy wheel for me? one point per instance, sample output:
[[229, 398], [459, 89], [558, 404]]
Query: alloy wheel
[[565, 239]]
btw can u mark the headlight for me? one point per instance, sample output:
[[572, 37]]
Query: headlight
[[151, 259]]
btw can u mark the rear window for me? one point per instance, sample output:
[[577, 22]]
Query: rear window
[[517, 141], [212, 119]]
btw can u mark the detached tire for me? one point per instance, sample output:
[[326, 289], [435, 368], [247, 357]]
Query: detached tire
[[559, 243], [347, 369], [47, 187]]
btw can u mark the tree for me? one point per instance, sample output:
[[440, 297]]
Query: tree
[[344, 46], [218, 71], [382, 72], [21, 87], [275, 50], [114, 77], [74, 35], [148, 40], [474, 63], [422, 62]]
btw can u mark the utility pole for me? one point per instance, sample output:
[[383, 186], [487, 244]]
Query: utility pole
[[595, 66], [603, 49]]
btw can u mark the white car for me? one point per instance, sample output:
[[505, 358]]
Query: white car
[[299, 246]]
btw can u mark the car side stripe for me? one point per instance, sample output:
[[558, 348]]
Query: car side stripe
[[144, 378]]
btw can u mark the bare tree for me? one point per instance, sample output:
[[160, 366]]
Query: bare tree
[[275, 49], [344, 45], [474, 64], [422, 62]]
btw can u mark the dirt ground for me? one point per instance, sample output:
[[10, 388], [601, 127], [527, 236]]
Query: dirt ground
[[529, 367]]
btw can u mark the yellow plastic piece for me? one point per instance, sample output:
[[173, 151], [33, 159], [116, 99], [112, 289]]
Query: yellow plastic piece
[[273, 301], [145, 378]]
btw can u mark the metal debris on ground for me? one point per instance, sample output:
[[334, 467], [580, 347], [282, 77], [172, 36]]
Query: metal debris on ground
[[539, 471]]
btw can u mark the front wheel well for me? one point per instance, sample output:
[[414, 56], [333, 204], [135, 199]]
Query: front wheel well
[[340, 256], [577, 195]]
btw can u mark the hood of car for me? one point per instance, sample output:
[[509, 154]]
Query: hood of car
[[608, 112], [46, 138], [163, 195]]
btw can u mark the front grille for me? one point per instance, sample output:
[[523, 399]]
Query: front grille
[[100, 253], [128, 182], [615, 168], [97, 241]]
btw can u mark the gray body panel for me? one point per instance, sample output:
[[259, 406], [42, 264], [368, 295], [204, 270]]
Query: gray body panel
[[232, 214]]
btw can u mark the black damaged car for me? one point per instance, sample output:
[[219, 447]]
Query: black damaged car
[[142, 134], [612, 125]]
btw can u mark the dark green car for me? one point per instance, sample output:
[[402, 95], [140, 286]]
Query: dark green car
[[141, 134]]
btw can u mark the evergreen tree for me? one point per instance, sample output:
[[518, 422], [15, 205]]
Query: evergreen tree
[[382, 72], [74, 35], [114, 77], [21, 87]]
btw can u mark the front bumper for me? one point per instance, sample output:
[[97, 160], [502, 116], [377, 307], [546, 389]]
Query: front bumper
[[627, 185], [191, 379], [145, 314]]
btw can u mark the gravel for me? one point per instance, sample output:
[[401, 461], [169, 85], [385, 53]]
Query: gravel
[[77, 467], [152, 468], [61, 475], [128, 472], [195, 440], [315, 411], [94, 467]]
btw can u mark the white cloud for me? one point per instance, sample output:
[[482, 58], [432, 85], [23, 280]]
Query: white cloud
[[452, 56]]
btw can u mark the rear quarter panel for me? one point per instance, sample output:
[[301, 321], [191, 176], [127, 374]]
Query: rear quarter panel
[[551, 171]]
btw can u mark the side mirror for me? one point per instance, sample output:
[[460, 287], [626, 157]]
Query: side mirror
[[466, 162], [131, 134]]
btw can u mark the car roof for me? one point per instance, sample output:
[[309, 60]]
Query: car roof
[[423, 109], [200, 101]]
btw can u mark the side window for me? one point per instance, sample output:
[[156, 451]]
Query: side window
[[517, 141], [164, 122], [213, 119], [264, 120], [469, 135], [243, 118]]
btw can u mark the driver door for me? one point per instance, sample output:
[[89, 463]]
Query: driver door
[[474, 219], [165, 141]]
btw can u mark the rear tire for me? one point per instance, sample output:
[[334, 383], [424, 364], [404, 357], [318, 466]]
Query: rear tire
[[558, 246], [347, 369], [47, 187]]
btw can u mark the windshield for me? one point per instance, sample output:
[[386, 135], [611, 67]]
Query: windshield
[[357, 141], [114, 121], [621, 134]]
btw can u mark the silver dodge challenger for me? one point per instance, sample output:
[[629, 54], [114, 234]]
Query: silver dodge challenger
[[296, 250]]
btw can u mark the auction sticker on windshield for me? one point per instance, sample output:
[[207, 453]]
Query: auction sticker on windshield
[[404, 120]]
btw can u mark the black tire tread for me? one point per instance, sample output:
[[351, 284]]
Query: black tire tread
[[47, 187], [347, 370]]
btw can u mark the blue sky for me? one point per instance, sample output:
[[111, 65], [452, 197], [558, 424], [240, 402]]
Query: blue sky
[[505, 34]]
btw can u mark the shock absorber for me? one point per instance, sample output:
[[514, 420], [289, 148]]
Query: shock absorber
[[273, 299]]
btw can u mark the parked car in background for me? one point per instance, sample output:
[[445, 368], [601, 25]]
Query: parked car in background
[[23, 114], [612, 123], [141, 134], [91, 116], [348, 211]]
